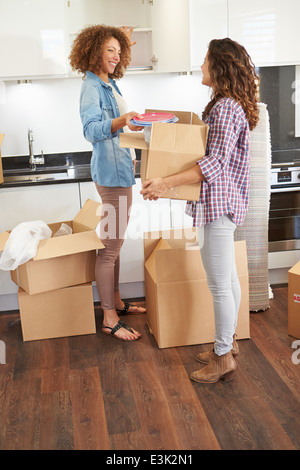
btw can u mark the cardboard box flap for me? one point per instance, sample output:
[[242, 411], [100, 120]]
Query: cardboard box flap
[[89, 215], [294, 270], [176, 238], [3, 239], [68, 245], [179, 138], [151, 261], [172, 260], [133, 140], [167, 264], [241, 259]]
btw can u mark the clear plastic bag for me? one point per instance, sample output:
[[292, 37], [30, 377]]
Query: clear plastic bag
[[22, 244], [64, 229]]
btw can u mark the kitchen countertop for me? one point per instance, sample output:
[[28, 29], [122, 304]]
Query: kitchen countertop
[[59, 168]]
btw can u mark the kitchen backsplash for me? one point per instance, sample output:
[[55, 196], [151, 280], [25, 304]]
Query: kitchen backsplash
[[277, 90], [51, 108]]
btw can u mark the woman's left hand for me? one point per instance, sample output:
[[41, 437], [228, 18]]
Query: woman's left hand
[[154, 188], [128, 34], [130, 116]]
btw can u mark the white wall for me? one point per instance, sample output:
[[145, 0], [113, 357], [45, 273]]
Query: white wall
[[50, 108]]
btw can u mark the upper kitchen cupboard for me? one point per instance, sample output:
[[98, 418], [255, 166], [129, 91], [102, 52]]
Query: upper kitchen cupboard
[[33, 39], [161, 29], [269, 30], [208, 20]]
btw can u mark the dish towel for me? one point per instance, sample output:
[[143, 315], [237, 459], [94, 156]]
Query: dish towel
[[255, 227]]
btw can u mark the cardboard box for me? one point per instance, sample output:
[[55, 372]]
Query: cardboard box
[[173, 148], [294, 301], [1, 169], [179, 303], [57, 313], [62, 261]]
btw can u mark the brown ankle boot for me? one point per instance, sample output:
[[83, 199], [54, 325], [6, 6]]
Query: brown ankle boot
[[205, 357], [219, 367]]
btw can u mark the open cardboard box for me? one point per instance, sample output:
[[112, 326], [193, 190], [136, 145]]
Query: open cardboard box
[[1, 169], [57, 313], [173, 148], [62, 261], [179, 303], [294, 301]]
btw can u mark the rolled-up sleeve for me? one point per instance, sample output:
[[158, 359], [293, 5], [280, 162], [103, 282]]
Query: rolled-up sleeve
[[222, 139], [95, 128]]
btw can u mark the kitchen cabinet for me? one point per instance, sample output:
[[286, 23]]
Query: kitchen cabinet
[[269, 30], [146, 216], [208, 20], [161, 29], [50, 203], [33, 39]]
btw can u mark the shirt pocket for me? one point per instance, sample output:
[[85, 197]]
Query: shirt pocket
[[108, 112]]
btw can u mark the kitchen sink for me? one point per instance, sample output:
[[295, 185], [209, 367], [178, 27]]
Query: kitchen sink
[[40, 175], [30, 178]]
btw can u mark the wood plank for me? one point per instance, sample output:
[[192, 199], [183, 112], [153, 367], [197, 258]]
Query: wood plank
[[22, 417], [89, 420], [278, 354], [56, 427], [155, 416]]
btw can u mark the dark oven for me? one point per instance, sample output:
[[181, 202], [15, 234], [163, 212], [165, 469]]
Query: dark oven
[[284, 216]]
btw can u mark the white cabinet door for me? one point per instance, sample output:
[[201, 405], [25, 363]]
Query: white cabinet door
[[82, 13], [179, 219], [50, 203], [161, 27], [208, 20], [33, 38], [171, 35], [145, 216], [269, 30], [135, 13]]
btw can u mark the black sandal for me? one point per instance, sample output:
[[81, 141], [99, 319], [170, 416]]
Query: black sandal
[[126, 307], [120, 324]]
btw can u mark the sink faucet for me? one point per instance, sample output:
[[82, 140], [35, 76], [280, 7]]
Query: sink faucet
[[33, 160]]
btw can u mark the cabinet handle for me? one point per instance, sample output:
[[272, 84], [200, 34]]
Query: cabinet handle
[[154, 59]]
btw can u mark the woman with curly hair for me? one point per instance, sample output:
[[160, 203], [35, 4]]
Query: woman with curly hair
[[102, 54], [224, 173]]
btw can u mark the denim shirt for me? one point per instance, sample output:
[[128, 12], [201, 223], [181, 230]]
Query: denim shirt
[[111, 165]]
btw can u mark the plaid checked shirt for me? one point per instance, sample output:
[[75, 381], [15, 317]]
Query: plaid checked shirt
[[226, 166]]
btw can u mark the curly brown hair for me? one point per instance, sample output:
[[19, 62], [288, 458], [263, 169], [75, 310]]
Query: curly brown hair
[[87, 49], [233, 75]]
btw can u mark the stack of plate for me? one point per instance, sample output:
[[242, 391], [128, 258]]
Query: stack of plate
[[149, 118]]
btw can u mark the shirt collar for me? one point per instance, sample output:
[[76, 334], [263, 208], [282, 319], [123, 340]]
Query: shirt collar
[[95, 77]]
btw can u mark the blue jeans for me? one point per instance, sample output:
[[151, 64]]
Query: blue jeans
[[218, 259]]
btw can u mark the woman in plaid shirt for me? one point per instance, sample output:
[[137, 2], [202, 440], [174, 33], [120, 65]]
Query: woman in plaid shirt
[[225, 176]]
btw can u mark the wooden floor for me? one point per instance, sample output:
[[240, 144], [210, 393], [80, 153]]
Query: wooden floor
[[96, 392]]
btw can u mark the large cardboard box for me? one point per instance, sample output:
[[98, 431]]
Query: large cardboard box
[[1, 169], [173, 148], [179, 303], [294, 301], [57, 313], [62, 261]]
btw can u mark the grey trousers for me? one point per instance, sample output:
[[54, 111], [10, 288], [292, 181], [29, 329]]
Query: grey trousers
[[218, 257]]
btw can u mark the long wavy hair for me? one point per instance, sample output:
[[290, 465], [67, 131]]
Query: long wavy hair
[[232, 74], [87, 49]]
